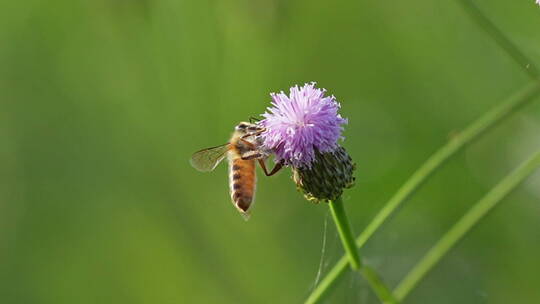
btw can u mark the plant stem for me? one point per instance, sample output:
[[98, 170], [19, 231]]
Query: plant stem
[[383, 292], [474, 130], [345, 233], [464, 225], [436, 160], [353, 258], [505, 43]]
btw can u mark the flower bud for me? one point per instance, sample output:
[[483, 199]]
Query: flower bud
[[329, 174]]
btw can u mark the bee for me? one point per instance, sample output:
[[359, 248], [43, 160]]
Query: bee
[[242, 150]]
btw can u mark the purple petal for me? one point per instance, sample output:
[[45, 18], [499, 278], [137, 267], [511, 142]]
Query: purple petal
[[298, 124]]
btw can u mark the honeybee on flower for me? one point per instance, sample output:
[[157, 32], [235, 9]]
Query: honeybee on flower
[[302, 130]]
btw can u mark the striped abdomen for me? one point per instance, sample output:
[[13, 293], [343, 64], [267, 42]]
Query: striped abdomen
[[242, 181]]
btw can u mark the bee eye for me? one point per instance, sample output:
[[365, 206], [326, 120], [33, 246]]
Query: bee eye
[[241, 126]]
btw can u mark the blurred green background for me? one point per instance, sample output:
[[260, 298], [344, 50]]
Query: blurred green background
[[103, 102]]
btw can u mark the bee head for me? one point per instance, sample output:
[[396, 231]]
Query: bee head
[[246, 127]]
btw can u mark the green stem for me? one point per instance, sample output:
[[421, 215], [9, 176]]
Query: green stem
[[474, 130], [383, 292], [505, 43], [345, 233], [464, 225], [436, 160], [353, 257]]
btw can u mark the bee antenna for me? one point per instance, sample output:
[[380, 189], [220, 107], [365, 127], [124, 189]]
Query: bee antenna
[[254, 119]]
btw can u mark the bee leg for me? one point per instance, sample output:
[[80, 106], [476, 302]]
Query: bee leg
[[251, 155], [249, 144], [256, 133], [275, 170]]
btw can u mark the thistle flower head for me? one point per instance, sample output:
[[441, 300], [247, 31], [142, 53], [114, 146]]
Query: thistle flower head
[[302, 129], [302, 123]]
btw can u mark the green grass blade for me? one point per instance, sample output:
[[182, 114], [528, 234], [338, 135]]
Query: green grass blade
[[328, 281], [486, 121], [464, 225], [483, 22], [353, 257]]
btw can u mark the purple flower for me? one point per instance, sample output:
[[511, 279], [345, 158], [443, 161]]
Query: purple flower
[[298, 124], [538, 2]]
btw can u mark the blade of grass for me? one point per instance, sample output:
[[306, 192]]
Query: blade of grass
[[328, 282], [384, 294], [486, 121], [483, 22], [347, 238], [436, 160], [464, 225]]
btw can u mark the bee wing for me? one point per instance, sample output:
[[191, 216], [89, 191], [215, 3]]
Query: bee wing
[[207, 160]]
